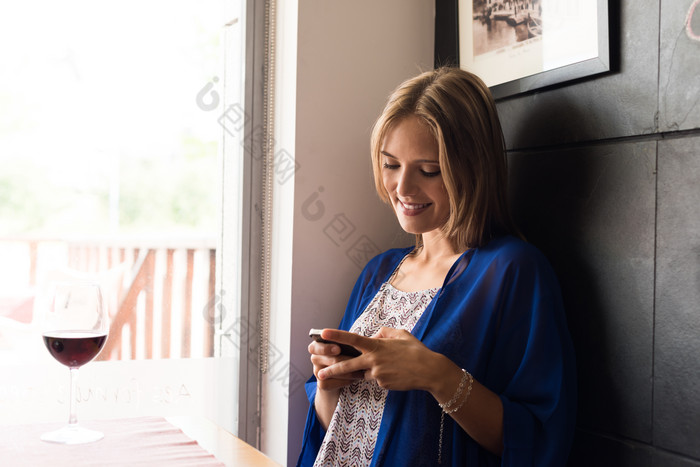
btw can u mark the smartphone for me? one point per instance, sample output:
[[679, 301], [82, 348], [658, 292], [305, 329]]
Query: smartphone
[[345, 349]]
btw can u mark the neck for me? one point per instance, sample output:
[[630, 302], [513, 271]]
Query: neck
[[436, 246]]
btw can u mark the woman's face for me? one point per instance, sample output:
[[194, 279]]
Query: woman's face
[[412, 177]]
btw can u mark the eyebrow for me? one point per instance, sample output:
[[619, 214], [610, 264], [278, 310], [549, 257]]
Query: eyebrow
[[422, 161]]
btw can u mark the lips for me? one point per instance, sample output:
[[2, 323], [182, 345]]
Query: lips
[[412, 209]]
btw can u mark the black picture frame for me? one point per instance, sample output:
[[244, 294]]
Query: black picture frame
[[447, 52]]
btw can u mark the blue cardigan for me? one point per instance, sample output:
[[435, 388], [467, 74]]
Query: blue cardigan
[[499, 315]]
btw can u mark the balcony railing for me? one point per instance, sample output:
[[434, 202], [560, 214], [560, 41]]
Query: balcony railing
[[158, 292]]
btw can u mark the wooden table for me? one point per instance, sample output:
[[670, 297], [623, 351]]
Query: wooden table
[[147, 441], [227, 448]]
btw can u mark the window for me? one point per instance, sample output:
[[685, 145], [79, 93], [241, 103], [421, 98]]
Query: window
[[113, 118]]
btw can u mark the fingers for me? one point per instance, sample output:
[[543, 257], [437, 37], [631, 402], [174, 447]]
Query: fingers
[[324, 355], [390, 357], [363, 344], [364, 366], [323, 376], [338, 380], [322, 361], [319, 348], [352, 367]]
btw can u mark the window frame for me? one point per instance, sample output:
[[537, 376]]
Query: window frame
[[241, 243]]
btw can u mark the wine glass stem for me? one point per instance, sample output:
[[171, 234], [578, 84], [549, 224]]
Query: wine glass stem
[[73, 419]]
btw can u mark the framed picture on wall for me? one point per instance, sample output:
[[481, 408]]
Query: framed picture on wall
[[517, 46]]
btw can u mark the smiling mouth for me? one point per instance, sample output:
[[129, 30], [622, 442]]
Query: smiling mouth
[[413, 208]]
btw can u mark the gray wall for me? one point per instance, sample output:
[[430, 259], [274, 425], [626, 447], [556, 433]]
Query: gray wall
[[606, 181]]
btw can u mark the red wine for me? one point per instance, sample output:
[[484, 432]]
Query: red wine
[[74, 348]]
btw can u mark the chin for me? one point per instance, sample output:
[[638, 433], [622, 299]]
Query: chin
[[413, 229]]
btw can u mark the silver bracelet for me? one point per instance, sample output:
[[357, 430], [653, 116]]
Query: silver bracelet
[[447, 409], [460, 388]]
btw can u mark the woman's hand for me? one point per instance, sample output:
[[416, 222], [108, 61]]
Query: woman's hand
[[399, 361], [324, 355], [327, 394], [392, 357]]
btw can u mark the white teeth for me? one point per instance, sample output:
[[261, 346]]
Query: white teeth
[[413, 207]]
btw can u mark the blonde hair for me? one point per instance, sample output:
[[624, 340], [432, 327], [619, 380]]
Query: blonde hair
[[460, 112]]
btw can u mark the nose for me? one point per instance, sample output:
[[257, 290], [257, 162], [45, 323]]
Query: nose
[[406, 183]]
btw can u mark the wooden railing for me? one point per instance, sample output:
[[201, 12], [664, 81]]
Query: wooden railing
[[158, 291]]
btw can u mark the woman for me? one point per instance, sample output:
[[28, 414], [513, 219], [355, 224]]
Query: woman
[[466, 357]]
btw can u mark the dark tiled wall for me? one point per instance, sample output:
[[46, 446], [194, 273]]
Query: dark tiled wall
[[605, 177]]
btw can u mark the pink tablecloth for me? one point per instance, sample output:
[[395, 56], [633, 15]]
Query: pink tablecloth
[[142, 441]]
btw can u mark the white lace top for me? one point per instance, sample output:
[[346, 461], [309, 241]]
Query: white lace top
[[352, 432]]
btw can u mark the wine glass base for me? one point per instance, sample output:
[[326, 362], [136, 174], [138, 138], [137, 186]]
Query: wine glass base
[[72, 434]]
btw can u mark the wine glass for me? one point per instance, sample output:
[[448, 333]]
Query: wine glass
[[74, 329]]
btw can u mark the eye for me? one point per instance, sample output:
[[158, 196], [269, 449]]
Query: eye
[[390, 166], [430, 174]]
